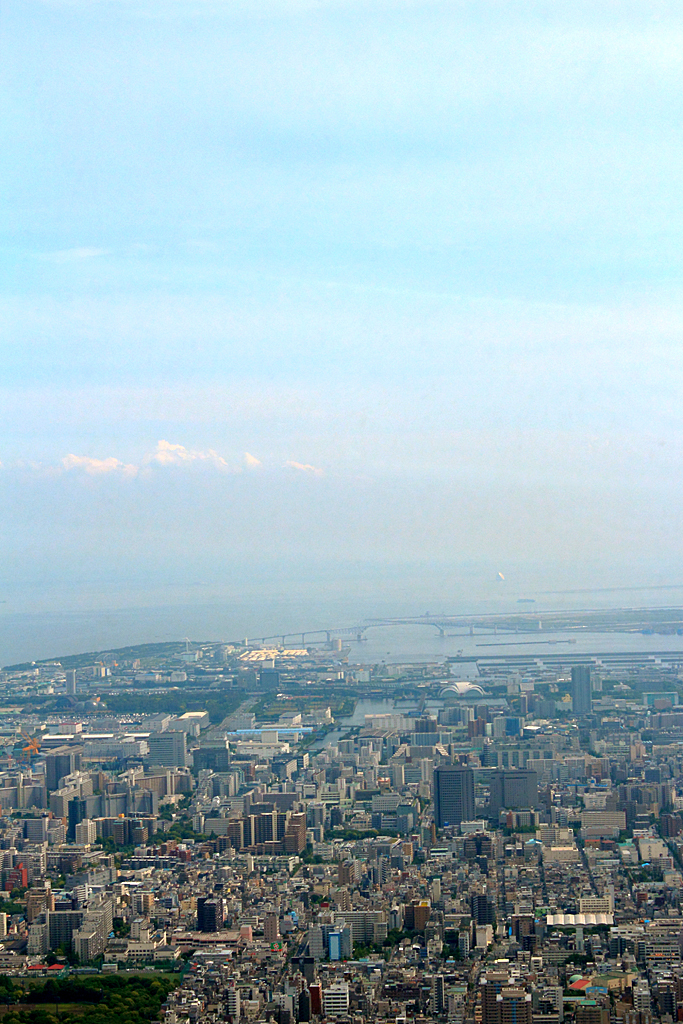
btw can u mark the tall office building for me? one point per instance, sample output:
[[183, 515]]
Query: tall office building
[[581, 690], [492, 984], [59, 762], [483, 908], [514, 1005], [453, 795], [168, 749], [316, 994], [512, 789], [295, 834], [35, 829], [334, 945], [316, 943], [271, 928], [215, 756], [304, 1007], [70, 682], [78, 811], [438, 1003], [269, 678], [503, 1002], [209, 914], [336, 999]]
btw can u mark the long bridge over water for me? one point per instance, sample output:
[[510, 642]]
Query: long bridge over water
[[629, 620]]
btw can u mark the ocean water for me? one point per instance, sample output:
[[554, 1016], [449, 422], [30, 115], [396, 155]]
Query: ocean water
[[39, 621], [397, 644]]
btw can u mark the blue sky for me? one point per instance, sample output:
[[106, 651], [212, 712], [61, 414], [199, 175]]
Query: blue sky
[[392, 282]]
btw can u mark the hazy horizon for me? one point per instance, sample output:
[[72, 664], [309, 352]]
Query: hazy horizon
[[316, 307], [48, 621]]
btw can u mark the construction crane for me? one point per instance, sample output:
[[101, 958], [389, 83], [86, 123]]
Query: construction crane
[[31, 747]]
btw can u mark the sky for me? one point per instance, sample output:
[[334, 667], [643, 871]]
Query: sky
[[363, 297]]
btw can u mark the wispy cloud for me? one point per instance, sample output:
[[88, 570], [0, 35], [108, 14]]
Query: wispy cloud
[[167, 455], [304, 467], [73, 255]]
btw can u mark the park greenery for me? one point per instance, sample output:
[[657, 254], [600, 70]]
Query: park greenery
[[219, 703], [105, 999]]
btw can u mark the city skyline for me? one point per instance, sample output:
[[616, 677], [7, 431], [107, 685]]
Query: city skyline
[[341, 461]]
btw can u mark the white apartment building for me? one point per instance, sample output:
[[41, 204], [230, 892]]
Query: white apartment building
[[336, 999]]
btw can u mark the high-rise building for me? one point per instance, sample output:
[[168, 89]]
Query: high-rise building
[[77, 812], [334, 945], [346, 941], [295, 834], [233, 1002], [642, 1001], [304, 1007], [70, 682], [483, 908], [503, 1002], [453, 795], [492, 984], [143, 903], [364, 924], [85, 832], [209, 914], [345, 872], [35, 829], [61, 926], [316, 945], [271, 928], [514, 1005], [38, 899], [438, 994], [316, 993], [60, 762], [307, 968], [168, 749], [90, 938], [512, 789], [581, 690], [425, 724], [336, 999], [215, 756]]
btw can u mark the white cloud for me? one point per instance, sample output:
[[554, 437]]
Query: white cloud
[[165, 454], [97, 467], [304, 467], [168, 454], [249, 460]]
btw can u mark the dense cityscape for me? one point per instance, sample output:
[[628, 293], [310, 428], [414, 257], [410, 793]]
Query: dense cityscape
[[341, 382], [277, 833]]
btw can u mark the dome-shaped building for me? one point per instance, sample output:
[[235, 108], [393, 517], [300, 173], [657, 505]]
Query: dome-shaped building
[[461, 688]]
